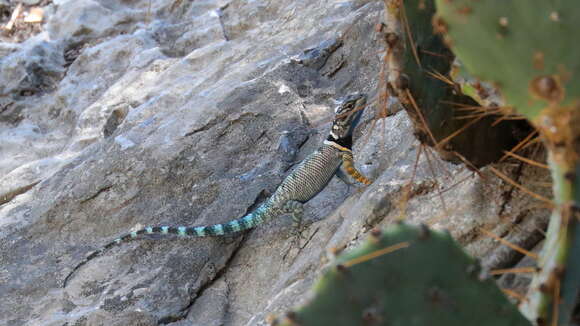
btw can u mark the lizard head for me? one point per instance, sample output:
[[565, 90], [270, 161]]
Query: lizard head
[[347, 115]]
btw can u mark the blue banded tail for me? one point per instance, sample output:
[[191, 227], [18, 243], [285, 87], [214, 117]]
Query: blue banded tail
[[244, 223]]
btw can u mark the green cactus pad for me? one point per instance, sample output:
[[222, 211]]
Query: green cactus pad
[[426, 280], [442, 104], [527, 49]]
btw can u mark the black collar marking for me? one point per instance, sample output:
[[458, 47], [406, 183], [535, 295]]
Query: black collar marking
[[344, 142]]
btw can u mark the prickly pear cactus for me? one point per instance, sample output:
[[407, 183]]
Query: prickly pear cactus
[[405, 275], [436, 103], [528, 50]]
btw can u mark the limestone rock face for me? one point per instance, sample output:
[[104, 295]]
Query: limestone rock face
[[131, 113]]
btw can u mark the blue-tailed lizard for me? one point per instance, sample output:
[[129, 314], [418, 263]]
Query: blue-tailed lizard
[[334, 156]]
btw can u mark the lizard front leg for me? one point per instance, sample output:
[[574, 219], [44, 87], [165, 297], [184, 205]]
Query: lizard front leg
[[350, 169]]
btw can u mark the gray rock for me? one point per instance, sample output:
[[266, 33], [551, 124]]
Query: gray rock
[[316, 58], [36, 68], [79, 21], [8, 48], [30, 2], [192, 113]]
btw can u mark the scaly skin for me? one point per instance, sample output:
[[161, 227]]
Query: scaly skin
[[306, 181], [348, 164]]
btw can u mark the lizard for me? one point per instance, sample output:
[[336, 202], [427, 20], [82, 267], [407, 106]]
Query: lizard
[[333, 157]]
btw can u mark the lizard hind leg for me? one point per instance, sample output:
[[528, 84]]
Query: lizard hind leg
[[296, 209]]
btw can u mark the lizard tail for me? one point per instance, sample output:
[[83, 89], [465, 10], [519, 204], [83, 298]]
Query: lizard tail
[[244, 223]]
